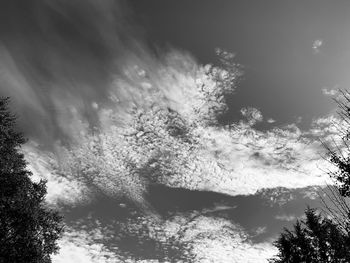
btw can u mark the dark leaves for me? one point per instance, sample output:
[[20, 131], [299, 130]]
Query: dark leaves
[[28, 230], [315, 239]]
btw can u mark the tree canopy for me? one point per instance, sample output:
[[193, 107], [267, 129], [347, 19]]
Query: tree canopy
[[28, 230], [319, 238], [315, 239]]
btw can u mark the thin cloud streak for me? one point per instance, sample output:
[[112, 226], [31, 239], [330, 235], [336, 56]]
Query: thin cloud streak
[[56, 55], [112, 117], [108, 85]]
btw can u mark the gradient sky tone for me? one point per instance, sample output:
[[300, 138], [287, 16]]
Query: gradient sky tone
[[273, 40], [76, 71]]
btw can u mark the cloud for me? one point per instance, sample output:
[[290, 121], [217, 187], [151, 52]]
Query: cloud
[[219, 224], [330, 92], [162, 146], [317, 45], [252, 115], [202, 238], [242, 160], [286, 217], [234, 160], [112, 117], [61, 190], [159, 110], [219, 240], [281, 196], [79, 80], [56, 54], [260, 230], [80, 247]]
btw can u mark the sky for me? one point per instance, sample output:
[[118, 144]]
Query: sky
[[175, 130], [290, 50]]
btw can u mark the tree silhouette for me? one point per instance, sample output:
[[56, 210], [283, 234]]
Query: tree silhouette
[[316, 239], [339, 153], [28, 230], [320, 239]]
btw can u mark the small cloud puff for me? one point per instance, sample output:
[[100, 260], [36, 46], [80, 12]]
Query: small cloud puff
[[316, 45], [252, 115], [330, 92]]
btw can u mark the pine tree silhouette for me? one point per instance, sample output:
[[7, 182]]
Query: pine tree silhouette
[[28, 230]]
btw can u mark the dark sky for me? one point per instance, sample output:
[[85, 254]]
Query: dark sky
[[273, 40]]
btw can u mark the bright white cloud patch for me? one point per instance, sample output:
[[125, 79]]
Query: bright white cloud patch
[[131, 118], [79, 247], [243, 160], [161, 127], [151, 131]]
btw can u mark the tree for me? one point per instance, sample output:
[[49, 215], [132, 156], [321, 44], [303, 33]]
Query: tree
[[338, 206], [340, 153], [28, 230], [320, 239], [314, 240]]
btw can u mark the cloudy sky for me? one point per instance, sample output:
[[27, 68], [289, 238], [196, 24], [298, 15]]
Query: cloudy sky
[[175, 130]]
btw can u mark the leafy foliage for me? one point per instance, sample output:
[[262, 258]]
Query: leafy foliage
[[339, 154], [316, 239], [28, 230], [320, 239]]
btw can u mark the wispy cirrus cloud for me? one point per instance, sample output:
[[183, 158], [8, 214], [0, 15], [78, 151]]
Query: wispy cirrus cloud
[[60, 190], [160, 108], [116, 117]]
